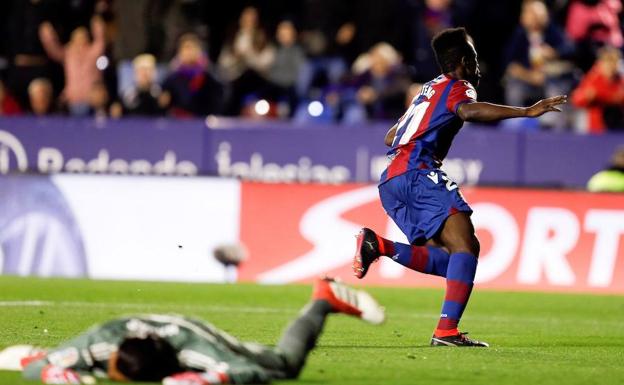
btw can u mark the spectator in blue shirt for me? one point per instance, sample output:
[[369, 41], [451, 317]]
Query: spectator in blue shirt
[[536, 66]]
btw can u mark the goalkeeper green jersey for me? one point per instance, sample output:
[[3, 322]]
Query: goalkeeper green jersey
[[200, 347]]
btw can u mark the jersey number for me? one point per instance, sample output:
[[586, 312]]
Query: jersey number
[[450, 185], [414, 116]]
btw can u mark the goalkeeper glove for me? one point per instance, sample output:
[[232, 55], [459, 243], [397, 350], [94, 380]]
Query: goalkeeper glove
[[56, 375], [194, 378]]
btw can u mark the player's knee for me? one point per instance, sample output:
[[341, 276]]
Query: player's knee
[[469, 245], [292, 365], [472, 246], [292, 371]]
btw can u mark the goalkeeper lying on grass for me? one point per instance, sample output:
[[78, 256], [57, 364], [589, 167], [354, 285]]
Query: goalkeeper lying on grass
[[183, 351]]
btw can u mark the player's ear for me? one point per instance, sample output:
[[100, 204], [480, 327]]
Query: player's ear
[[464, 61]]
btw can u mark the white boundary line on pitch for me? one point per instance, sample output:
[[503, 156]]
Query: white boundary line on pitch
[[25, 303], [167, 307], [178, 307], [127, 305]]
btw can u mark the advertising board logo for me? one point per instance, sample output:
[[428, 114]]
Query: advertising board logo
[[38, 232], [256, 169], [38, 243], [10, 145], [529, 239], [50, 160], [323, 226]]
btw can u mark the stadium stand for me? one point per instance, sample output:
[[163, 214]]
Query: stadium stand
[[222, 59]]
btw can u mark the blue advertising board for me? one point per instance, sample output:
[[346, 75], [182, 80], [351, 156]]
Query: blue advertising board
[[286, 152], [129, 146]]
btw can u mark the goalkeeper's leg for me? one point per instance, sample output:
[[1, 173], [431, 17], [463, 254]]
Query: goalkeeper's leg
[[328, 297]]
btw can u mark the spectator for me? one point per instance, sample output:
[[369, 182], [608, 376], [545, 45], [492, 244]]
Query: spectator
[[167, 20], [289, 59], [596, 20], [592, 24], [601, 92], [535, 68], [248, 49], [100, 105], [329, 37], [338, 32], [611, 179], [190, 90], [21, 21], [98, 100], [79, 58], [433, 16], [380, 89], [327, 28], [8, 105], [41, 97], [246, 59], [345, 43], [146, 96]]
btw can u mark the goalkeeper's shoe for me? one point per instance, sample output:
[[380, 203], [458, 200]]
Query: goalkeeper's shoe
[[344, 299], [366, 252], [459, 339]]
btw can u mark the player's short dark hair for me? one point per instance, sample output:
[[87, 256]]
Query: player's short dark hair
[[450, 45], [147, 359]]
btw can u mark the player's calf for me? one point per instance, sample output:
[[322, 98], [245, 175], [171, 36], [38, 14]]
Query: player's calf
[[424, 259]]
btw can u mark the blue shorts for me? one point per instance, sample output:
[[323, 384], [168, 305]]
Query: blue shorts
[[419, 202]]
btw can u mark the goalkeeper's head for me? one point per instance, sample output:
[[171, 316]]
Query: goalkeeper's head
[[143, 359]]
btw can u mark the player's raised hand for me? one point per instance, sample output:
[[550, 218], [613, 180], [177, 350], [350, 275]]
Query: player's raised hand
[[546, 105]]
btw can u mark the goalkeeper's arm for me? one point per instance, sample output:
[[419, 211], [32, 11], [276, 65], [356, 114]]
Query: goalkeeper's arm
[[47, 373], [66, 359], [248, 375]]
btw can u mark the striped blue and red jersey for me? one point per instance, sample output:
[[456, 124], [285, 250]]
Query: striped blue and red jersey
[[425, 132]]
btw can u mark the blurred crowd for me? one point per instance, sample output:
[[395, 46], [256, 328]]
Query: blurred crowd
[[345, 61]]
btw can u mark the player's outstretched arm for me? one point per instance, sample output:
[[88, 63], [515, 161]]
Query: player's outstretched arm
[[487, 112]]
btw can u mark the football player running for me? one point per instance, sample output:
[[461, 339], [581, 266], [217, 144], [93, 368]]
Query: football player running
[[425, 204]]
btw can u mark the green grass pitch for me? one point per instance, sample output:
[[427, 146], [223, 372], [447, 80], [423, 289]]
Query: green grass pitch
[[536, 338]]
